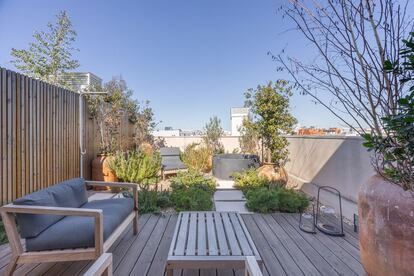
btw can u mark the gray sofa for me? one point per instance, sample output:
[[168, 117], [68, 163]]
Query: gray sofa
[[60, 219]]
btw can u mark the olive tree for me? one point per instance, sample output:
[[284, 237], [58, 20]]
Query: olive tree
[[213, 133], [50, 55]]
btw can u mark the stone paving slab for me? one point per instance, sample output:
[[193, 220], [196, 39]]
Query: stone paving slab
[[228, 195], [231, 206], [225, 184]]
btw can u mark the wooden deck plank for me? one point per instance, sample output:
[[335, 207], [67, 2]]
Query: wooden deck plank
[[143, 263], [330, 250], [158, 263], [284, 257], [317, 260], [146, 253], [126, 264], [297, 255], [337, 246], [127, 240], [272, 264]]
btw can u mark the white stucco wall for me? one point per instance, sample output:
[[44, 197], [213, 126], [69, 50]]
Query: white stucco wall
[[337, 161]]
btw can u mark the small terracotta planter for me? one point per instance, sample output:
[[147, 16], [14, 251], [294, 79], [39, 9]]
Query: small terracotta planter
[[386, 221], [101, 171], [272, 172]]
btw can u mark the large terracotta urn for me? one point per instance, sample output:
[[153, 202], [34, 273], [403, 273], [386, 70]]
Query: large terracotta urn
[[272, 172], [386, 221], [101, 171]]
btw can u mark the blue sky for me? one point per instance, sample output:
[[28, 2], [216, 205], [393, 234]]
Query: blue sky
[[191, 59]]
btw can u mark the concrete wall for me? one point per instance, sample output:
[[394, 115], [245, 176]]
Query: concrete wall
[[230, 143], [337, 161]]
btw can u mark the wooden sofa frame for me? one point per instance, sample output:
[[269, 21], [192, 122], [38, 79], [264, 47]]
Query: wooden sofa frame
[[20, 256]]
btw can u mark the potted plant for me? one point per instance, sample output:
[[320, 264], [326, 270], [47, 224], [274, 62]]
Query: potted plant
[[362, 74], [271, 120], [386, 202], [108, 111]]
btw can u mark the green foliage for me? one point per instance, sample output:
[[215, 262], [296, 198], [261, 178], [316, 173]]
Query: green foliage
[[249, 180], [50, 55], [394, 148], [271, 117], [197, 157], [136, 167], [109, 110], [266, 200], [191, 191], [141, 168], [249, 138], [213, 132]]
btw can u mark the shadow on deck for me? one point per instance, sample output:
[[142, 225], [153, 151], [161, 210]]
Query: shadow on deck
[[284, 249]]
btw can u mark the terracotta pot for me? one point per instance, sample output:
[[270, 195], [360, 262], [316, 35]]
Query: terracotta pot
[[147, 148], [386, 221], [272, 172], [101, 171]]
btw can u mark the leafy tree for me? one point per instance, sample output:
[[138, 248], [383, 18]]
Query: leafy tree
[[271, 117], [144, 124], [249, 138], [50, 55], [394, 147], [213, 132], [109, 109]]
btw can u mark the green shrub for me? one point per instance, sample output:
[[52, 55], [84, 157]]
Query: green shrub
[[136, 167], [197, 157], [141, 168], [192, 199], [266, 200], [250, 179], [192, 191]]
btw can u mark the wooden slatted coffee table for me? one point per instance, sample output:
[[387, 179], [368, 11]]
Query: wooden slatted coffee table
[[205, 240]]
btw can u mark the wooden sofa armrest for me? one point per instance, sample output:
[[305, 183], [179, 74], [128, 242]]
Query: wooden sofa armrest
[[128, 185], [8, 210], [102, 266]]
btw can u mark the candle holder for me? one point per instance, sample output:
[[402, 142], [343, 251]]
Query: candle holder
[[325, 219], [307, 221]]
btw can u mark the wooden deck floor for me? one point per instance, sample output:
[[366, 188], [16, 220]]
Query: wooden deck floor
[[285, 250]]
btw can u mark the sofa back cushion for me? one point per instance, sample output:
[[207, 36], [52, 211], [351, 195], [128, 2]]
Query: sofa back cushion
[[70, 193]]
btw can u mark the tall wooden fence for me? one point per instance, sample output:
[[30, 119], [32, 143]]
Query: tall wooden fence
[[40, 135]]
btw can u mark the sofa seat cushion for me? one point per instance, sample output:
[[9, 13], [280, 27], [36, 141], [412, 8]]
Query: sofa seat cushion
[[78, 232], [70, 193]]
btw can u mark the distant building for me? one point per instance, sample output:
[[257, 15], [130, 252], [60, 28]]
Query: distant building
[[319, 131], [166, 132], [78, 80], [238, 114]]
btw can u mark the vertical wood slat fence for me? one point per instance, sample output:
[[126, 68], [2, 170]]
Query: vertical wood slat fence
[[40, 135]]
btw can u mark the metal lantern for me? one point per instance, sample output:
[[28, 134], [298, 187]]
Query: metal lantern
[[307, 221], [326, 219]]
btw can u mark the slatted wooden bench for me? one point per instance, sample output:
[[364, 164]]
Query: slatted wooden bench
[[204, 240]]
